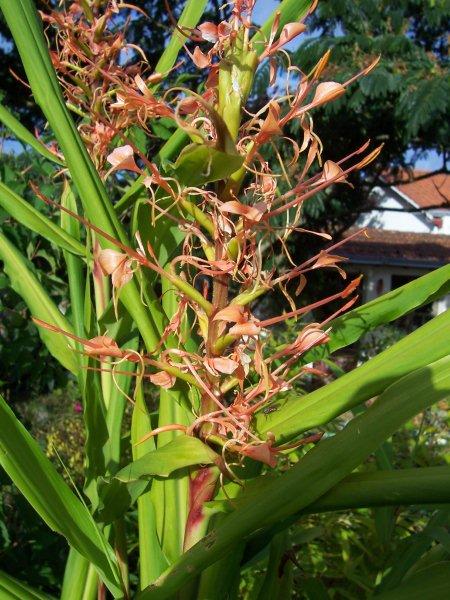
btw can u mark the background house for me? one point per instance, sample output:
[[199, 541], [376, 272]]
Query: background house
[[408, 234]]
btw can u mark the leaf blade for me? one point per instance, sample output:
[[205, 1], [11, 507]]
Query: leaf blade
[[429, 342], [37, 479], [25, 283], [22, 133], [318, 471], [31, 218]]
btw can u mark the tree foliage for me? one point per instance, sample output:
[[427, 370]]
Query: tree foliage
[[404, 103]]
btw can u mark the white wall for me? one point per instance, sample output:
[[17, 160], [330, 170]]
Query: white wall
[[392, 220]]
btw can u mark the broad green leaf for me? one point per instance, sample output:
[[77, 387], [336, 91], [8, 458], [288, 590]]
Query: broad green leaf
[[27, 215], [122, 329], [22, 133], [96, 431], [75, 266], [191, 15], [164, 235], [170, 497], [183, 451], [152, 561], [25, 283], [199, 164], [354, 324], [13, 589], [80, 578], [121, 491], [428, 343], [36, 478], [221, 580], [432, 583], [116, 497], [422, 486], [316, 473]]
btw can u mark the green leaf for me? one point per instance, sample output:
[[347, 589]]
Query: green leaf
[[421, 486], [164, 235], [27, 215], [80, 578], [22, 133], [317, 472], [116, 497], [25, 283], [431, 583], [152, 561], [170, 497], [183, 451], [13, 589], [429, 342], [36, 478], [96, 431], [75, 266], [354, 324], [199, 164]]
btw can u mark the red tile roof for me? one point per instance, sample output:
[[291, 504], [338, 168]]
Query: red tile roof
[[433, 191], [380, 247]]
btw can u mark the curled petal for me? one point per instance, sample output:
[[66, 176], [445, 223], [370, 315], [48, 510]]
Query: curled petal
[[163, 379], [248, 328], [200, 59], [110, 260], [122, 275], [224, 365], [330, 260], [142, 86], [331, 171], [260, 452], [252, 213], [233, 313], [123, 158], [223, 30], [327, 91], [102, 345], [208, 32], [289, 32], [117, 265], [311, 336], [270, 126]]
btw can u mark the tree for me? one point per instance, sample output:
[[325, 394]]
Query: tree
[[403, 103]]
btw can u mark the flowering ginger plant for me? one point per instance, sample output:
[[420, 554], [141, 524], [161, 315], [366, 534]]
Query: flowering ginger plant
[[223, 194]]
